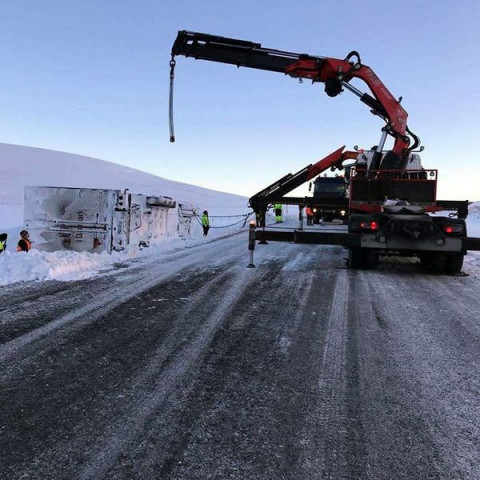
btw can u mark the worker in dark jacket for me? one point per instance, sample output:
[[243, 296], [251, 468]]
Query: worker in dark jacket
[[260, 216], [205, 223], [3, 242], [24, 244]]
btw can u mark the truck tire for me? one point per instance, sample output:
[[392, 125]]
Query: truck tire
[[433, 262], [370, 259], [364, 258], [355, 257], [454, 263], [424, 261]]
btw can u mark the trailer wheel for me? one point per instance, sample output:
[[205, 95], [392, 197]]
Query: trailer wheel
[[454, 263]]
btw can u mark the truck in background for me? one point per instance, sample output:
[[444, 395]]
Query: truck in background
[[330, 199]]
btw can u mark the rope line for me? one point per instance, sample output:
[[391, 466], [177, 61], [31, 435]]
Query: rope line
[[243, 219]]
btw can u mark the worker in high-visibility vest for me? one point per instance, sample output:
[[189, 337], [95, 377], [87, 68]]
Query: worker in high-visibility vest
[[3, 242], [278, 212], [205, 223]]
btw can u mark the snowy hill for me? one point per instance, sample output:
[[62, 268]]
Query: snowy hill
[[34, 166]]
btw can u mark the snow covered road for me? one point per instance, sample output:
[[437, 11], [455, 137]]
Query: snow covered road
[[195, 367]]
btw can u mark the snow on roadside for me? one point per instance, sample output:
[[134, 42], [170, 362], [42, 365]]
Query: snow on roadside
[[471, 264], [472, 259], [69, 266], [35, 265]]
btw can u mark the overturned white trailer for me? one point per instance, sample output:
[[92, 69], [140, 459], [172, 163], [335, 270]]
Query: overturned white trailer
[[96, 220]]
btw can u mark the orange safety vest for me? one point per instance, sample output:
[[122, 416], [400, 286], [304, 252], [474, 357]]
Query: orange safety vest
[[309, 211]]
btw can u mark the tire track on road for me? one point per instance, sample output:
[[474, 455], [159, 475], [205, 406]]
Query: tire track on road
[[115, 440], [332, 384]]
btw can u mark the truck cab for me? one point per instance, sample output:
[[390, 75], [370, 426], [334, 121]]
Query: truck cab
[[329, 200]]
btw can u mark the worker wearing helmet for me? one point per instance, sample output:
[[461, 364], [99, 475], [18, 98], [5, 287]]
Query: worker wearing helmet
[[24, 244]]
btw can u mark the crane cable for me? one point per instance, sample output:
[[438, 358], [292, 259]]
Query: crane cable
[[170, 103]]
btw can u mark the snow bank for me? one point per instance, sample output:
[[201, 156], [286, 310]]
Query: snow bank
[[473, 220], [68, 265], [35, 265]]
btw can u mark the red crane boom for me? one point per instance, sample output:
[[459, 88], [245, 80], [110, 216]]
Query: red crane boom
[[336, 74]]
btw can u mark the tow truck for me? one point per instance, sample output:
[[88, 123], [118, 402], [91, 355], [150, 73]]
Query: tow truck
[[392, 204]]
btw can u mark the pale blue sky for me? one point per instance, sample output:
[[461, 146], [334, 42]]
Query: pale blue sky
[[91, 77]]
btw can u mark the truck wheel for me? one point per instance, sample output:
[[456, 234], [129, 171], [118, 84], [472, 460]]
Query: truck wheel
[[364, 258], [370, 259], [454, 263], [355, 257], [424, 261], [433, 262]]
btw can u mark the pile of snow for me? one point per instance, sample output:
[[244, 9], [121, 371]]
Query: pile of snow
[[473, 220], [68, 266]]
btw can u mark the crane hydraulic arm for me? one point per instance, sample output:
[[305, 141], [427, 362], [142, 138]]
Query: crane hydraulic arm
[[334, 73]]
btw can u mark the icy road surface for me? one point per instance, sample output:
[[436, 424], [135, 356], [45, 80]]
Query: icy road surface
[[196, 367]]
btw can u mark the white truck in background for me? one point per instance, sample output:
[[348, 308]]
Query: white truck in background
[[97, 220]]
